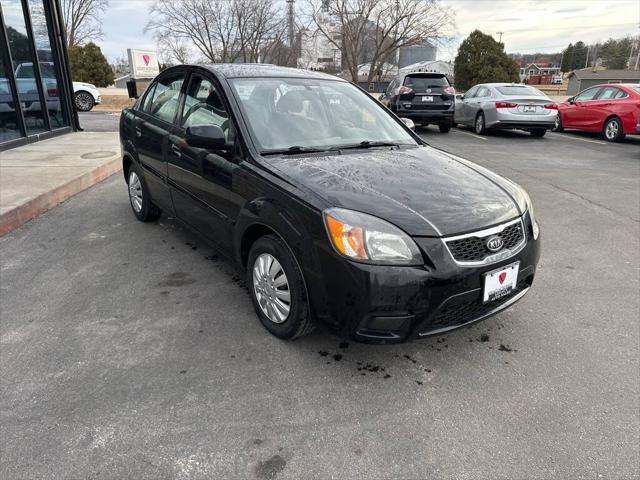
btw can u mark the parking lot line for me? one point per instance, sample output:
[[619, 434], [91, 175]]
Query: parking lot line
[[571, 137], [471, 134]]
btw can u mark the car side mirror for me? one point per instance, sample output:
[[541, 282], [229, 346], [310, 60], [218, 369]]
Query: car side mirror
[[409, 123], [381, 96], [571, 100], [206, 136], [132, 89], [461, 97]]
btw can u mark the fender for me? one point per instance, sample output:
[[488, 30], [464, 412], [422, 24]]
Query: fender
[[298, 226]]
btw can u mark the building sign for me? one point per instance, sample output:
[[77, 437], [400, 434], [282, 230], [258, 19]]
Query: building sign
[[143, 63]]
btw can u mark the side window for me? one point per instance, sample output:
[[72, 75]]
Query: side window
[[203, 105], [587, 95], [162, 102], [608, 93], [482, 92], [471, 93]]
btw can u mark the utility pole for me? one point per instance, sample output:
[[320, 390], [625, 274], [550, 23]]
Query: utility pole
[[500, 33], [586, 62], [290, 24]]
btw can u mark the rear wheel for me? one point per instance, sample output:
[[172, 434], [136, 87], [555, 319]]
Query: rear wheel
[[557, 127], [538, 132], [480, 127], [612, 130], [445, 127], [139, 197], [277, 289]]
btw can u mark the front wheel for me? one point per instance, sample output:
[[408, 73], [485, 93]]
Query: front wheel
[[277, 289], [480, 127], [612, 130], [538, 132], [84, 101], [557, 127]]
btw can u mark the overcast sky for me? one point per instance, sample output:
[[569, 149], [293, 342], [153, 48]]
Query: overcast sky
[[529, 26]]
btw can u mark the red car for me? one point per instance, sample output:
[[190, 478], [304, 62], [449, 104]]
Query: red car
[[613, 109]]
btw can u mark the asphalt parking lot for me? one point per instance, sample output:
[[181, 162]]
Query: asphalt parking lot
[[131, 350]]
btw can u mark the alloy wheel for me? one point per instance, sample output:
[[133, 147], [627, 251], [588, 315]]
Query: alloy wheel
[[84, 102], [479, 124], [135, 192], [271, 287], [611, 130]]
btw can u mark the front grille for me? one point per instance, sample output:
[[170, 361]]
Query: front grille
[[458, 314], [474, 249]]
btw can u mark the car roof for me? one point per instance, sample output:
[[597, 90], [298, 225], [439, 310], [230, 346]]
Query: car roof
[[256, 70]]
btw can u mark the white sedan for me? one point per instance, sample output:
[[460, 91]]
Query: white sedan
[[85, 96]]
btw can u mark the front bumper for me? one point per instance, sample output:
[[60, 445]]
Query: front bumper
[[388, 304]]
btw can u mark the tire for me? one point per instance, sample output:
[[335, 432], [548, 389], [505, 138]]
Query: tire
[[558, 127], [84, 101], [612, 130], [139, 196], [269, 297], [479, 125], [445, 127], [538, 132]]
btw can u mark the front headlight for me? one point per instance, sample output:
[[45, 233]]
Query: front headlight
[[368, 239], [534, 223]]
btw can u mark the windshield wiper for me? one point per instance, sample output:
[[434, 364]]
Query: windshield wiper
[[367, 144], [294, 150]]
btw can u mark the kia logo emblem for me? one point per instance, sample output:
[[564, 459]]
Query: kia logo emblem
[[495, 243]]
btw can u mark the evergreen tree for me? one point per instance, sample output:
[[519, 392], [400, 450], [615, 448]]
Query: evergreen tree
[[481, 59], [567, 59], [88, 64]]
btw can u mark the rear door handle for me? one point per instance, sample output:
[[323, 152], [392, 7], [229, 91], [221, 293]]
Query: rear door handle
[[176, 150]]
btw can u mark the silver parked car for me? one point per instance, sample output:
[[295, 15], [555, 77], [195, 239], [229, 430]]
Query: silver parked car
[[506, 106]]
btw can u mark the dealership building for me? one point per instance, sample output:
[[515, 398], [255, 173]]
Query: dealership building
[[36, 92]]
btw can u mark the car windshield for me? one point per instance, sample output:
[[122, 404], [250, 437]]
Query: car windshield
[[517, 90], [288, 113]]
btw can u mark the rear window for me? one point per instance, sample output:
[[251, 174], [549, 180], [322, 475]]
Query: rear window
[[421, 82], [516, 90]]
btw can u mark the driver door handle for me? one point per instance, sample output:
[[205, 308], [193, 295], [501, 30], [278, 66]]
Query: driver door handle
[[138, 132], [175, 149]]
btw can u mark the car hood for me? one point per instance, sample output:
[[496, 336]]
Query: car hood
[[424, 191]]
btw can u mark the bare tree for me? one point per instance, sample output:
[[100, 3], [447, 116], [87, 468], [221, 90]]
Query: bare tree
[[172, 50], [222, 30], [375, 30], [83, 20]]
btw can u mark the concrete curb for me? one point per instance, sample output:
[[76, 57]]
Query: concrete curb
[[23, 213]]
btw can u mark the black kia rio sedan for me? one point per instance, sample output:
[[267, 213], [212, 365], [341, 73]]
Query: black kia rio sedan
[[336, 210]]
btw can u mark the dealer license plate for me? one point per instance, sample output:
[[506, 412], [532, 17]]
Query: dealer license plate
[[427, 98], [500, 283]]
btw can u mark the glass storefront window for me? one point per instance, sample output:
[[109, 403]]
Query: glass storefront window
[[27, 86], [9, 126], [48, 69]]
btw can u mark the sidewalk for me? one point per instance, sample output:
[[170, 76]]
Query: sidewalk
[[37, 177]]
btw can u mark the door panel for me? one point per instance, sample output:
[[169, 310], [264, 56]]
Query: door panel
[[202, 180], [577, 116], [151, 132]]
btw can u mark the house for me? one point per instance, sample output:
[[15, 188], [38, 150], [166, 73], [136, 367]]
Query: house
[[538, 69], [586, 77]]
